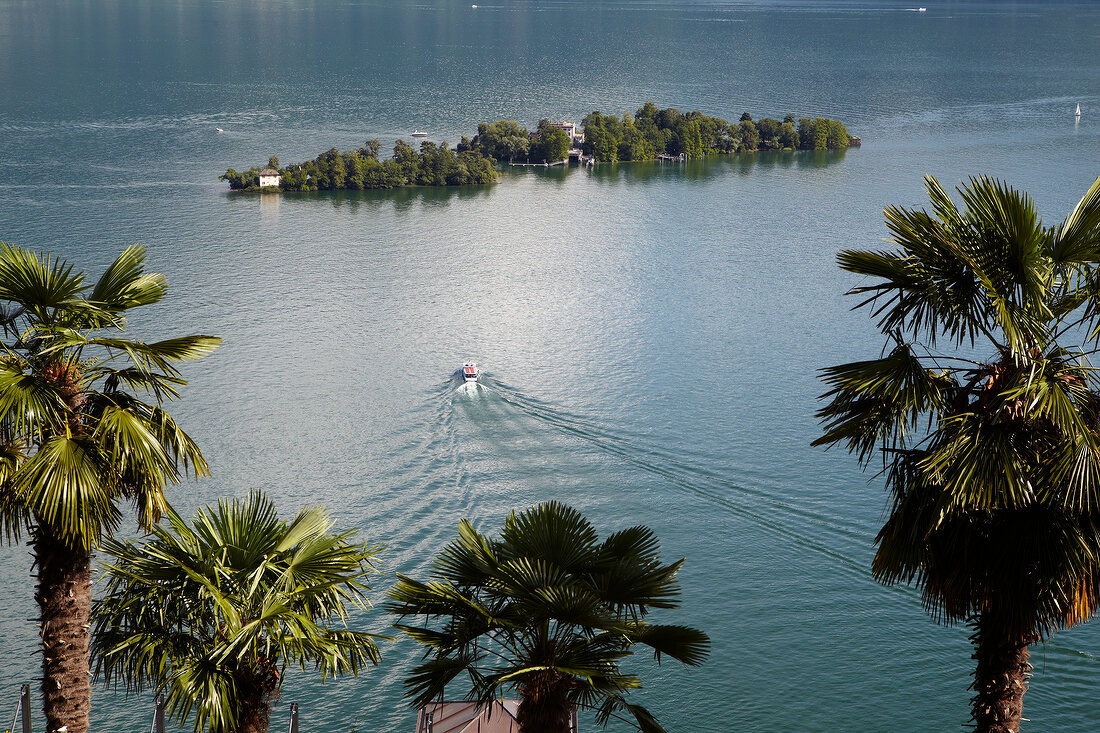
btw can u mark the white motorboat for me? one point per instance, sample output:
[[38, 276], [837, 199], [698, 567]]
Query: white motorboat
[[470, 372], [419, 133]]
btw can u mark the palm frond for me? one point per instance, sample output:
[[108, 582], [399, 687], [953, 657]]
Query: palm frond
[[124, 285]]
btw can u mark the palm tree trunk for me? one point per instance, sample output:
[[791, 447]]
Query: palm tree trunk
[[254, 692], [1001, 677], [65, 599], [544, 704]]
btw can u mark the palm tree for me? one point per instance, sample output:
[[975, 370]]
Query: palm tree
[[213, 612], [81, 430], [990, 448], [548, 610]]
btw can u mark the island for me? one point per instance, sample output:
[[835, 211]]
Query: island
[[433, 165], [649, 134], [653, 134]]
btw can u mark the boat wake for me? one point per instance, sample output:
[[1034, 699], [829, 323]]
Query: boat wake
[[507, 414]]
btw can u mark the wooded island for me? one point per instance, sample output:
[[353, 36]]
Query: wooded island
[[649, 134]]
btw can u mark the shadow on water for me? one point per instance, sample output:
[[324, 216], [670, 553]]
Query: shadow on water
[[402, 199], [548, 174], [502, 412], [713, 167]]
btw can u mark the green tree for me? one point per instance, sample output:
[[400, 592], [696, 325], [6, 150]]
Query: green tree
[[750, 138], [503, 140], [770, 131], [212, 613], [788, 137], [601, 144], [991, 447], [407, 160], [837, 137], [551, 145], [82, 430], [371, 149], [821, 134], [549, 610], [648, 111], [806, 133]]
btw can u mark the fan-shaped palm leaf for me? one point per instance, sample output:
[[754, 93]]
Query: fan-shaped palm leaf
[[547, 609], [209, 611], [993, 463]]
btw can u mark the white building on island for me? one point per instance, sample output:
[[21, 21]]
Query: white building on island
[[269, 177], [575, 136]]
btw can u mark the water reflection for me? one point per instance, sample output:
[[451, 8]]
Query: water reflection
[[701, 170], [402, 199]]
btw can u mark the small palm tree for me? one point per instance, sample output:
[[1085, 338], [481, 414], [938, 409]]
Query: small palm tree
[[991, 449], [212, 613], [82, 430], [548, 610]]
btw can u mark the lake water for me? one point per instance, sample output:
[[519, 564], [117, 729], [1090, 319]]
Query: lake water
[[650, 334]]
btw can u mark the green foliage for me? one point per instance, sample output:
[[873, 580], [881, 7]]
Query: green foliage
[[550, 145], [990, 445], [361, 169], [548, 609], [821, 134], [82, 427], [837, 137], [750, 136], [652, 132], [502, 140], [788, 136], [212, 612]]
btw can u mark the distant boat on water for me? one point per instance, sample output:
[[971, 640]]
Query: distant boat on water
[[921, 10], [419, 133], [1078, 112], [219, 129]]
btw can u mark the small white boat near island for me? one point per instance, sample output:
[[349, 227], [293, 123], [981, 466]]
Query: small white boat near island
[[419, 133], [1078, 112]]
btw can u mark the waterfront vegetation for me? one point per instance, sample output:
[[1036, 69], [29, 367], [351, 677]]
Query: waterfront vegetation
[[653, 132], [82, 431], [211, 613], [433, 165], [984, 408], [546, 609], [992, 461], [648, 134]]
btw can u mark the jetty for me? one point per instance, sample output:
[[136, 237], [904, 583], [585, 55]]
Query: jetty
[[563, 161]]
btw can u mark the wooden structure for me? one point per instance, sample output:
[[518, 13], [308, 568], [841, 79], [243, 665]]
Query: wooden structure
[[467, 717]]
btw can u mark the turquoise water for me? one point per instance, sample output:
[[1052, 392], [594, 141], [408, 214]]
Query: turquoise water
[[650, 333]]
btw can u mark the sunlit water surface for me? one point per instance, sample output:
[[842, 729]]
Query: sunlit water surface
[[650, 334]]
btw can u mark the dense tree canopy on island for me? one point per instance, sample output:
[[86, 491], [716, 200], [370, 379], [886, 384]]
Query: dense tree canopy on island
[[652, 132], [434, 165], [647, 135]]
